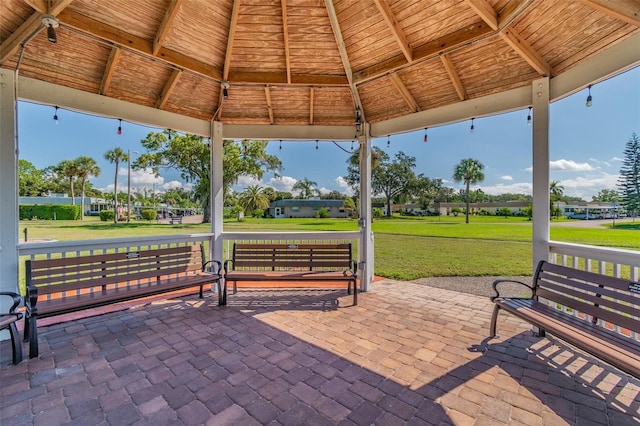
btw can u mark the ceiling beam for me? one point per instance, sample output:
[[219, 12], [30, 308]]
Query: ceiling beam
[[397, 32], [30, 27], [427, 51], [453, 76], [233, 24], [267, 94], [109, 70], [276, 78], [512, 11], [285, 34], [525, 50], [168, 88], [624, 10], [311, 95], [167, 21], [485, 11], [404, 92]]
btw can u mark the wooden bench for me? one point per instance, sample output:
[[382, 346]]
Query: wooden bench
[[292, 262], [606, 312], [175, 220], [58, 286], [8, 321]]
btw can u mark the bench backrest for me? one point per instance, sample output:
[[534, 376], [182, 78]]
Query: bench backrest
[[277, 257], [82, 272], [612, 300]]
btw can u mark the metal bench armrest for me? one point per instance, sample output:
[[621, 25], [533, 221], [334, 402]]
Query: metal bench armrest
[[218, 266], [17, 300], [498, 282]]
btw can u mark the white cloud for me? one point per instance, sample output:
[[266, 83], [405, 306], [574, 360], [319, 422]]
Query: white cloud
[[174, 184], [344, 186], [145, 178], [506, 177], [570, 165], [282, 183], [245, 181], [616, 159], [512, 188]]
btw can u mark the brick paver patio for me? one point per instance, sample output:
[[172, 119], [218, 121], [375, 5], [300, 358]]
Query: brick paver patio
[[407, 354]]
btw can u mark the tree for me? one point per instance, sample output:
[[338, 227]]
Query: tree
[[606, 196], [306, 187], [349, 205], [86, 166], [253, 198], [555, 193], [468, 171], [353, 166], [116, 156], [30, 180], [190, 154], [629, 180], [69, 170], [395, 178]]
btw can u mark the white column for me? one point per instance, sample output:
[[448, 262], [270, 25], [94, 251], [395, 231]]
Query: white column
[[541, 198], [8, 186], [365, 250], [216, 197]]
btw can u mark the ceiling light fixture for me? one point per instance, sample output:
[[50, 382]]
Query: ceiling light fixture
[[426, 136], [589, 98], [529, 116], [51, 23], [225, 88]]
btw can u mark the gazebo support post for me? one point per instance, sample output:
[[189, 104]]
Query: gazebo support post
[[365, 249], [216, 197], [541, 197]]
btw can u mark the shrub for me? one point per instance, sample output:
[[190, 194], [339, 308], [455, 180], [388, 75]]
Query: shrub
[[323, 213], [49, 212], [456, 211], [106, 215], [257, 213], [377, 212], [149, 214], [504, 211]]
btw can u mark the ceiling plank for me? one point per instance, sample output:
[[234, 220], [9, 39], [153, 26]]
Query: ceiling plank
[[525, 50], [167, 21], [267, 94], [311, 95], [397, 32], [512, 11], [168, 88], [337, 33], [453, 76], [233, 24], [624, 10], [285, 31], [276, 78], [404, 92], [109, 70], [485, 11], [427, 51], [30, 27]]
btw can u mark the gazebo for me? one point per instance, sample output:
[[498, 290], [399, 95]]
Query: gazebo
[[305, 70]]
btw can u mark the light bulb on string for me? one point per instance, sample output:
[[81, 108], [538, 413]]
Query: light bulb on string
[[280, 147], [351, 145], [316, 144], [169, 132], [529, 117], [388, 141], [55, 116], [426, 136], [589, 98], [473, 127], [120, 126]]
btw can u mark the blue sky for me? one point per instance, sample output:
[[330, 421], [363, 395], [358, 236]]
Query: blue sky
[[586, 146]]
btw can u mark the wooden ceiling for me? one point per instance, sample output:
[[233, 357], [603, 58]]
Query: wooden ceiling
[[306, 62]]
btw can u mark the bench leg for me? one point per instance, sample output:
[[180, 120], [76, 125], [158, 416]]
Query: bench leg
[[33, 337], [355, 294], [16, 343], [222, 293], [494, 320], [235, 287]]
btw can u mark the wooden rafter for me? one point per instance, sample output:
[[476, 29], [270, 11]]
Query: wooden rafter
[[285, 34], [311, 95], [167, 21], [525, 50], [267, 93], [109, 70], [404, 92], [32, 25], [624, 10], [426, 51], [233, 24], [168, 88], [485, 11], [453, 76], [390, 19], [513, 10]]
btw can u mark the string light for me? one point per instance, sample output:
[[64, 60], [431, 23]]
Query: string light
[[388, 141], [351, 145], [55, 116], [472, 128], [589, 98], [280, 147], [169, 131], [529, 117], [120, 126], [316, 144], [426, 136]]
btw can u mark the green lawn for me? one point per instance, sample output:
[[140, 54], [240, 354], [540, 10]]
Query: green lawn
[[405, 248]]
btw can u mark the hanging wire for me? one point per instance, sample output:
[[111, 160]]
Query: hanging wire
[[345, 150]]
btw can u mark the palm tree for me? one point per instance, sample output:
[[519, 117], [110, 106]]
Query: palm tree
[[116, 155], [306, 187], [469, 171], [253, 198], [87, 166], [68, 169], [556, 191]]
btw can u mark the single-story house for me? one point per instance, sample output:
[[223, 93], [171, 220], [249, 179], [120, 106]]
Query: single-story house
[[307, 208]]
